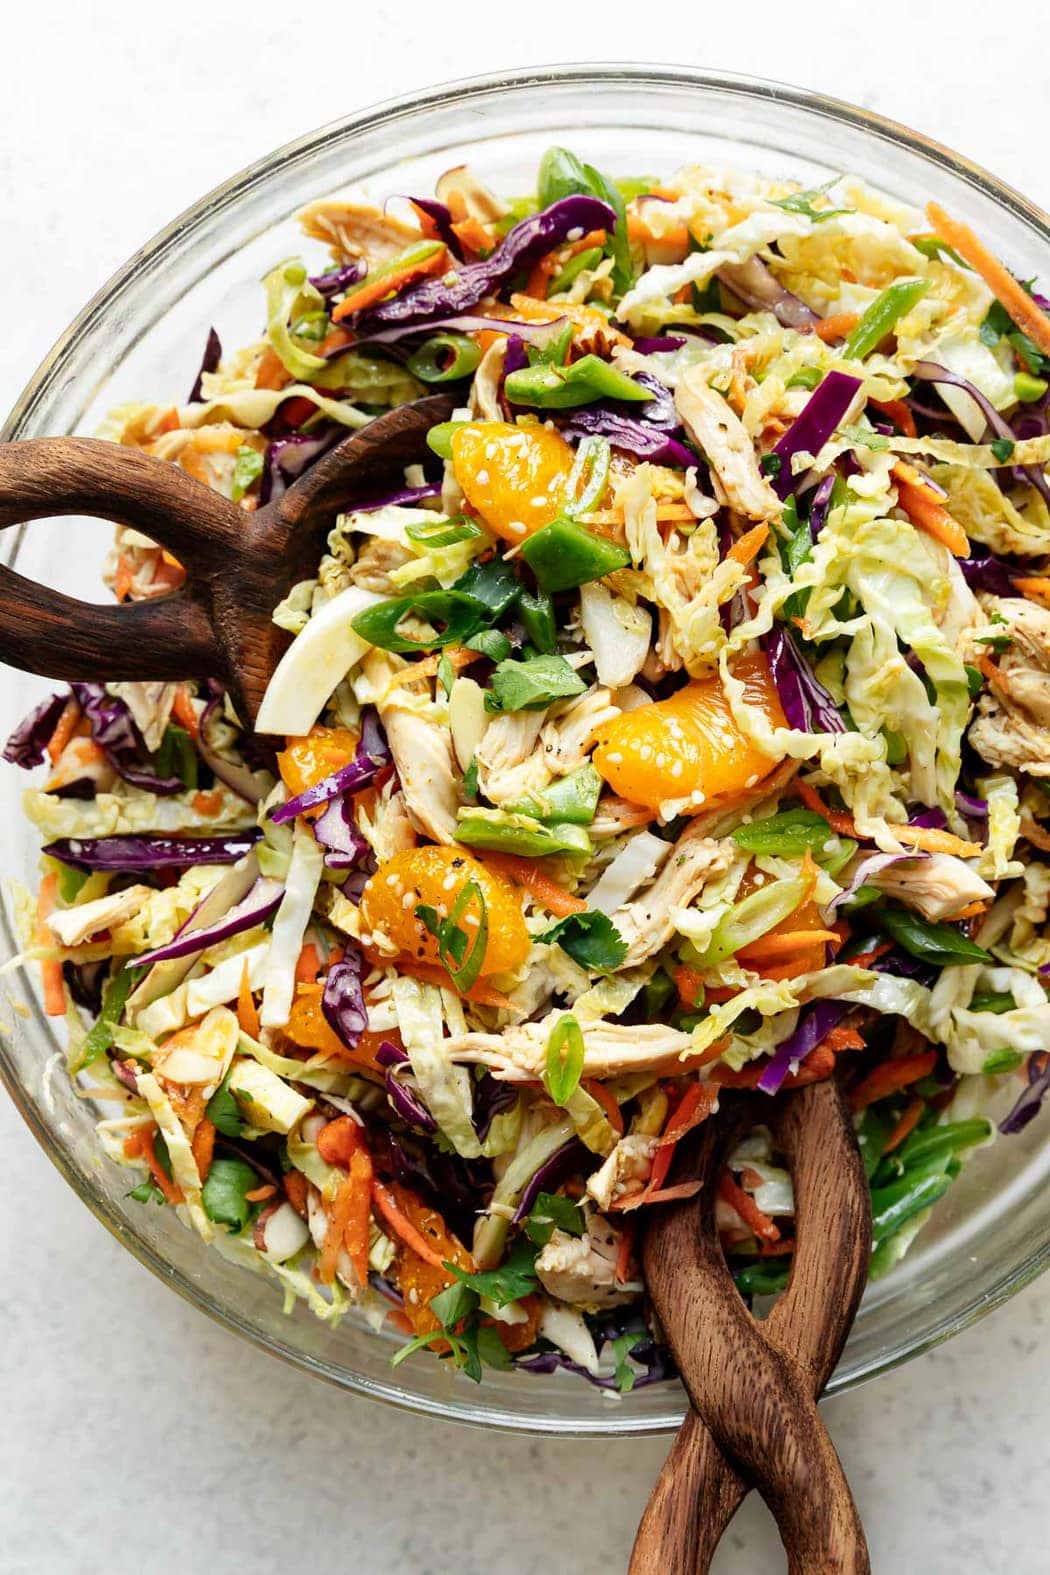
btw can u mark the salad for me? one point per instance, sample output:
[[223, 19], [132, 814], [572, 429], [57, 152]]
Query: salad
[[679, 724]]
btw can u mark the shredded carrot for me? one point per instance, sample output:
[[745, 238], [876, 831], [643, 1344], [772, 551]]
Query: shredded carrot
[[64, 729], [473, 235], [839, 1038], [50, 967], [684, 1189], [907, 1123], [782, 945], [308, 964], [749, 545], [837, 819], [247, 1015], [203, 1146], [271, 371], [694, 1107], [925, 509], [356, 1229], [638, 230], [123, 577], [295, 1190], [483, 994], [865, 959], [759, 1223], [260, 1194], [338, 1140], [373, 290], [524, 872], [891, 1075], [1024, 311], [604, 1097], [387, 1207], [837, 326], [689, 985], [457, 656], [209, 803], [340, 1212], [973, 910], [183, 712], [898, 413], [624, 1252], [336, 339], [140, 1145], [928, 838], [1037, 586]]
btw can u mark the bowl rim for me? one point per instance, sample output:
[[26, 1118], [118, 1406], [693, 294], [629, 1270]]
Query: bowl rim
[[178, 232]]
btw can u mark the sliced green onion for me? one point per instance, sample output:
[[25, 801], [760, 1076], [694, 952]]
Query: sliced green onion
[[444, 358], [589, 476], [464, 965], [439, 438], [565, 1057], [443, 533], [461, 615], [883, 315]]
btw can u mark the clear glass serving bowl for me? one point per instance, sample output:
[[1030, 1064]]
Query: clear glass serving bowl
[[141, 338]]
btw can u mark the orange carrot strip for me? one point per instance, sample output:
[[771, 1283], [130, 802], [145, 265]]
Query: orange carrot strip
[[837, 326], [308, 964], [203, 1146], [271, 371], [696, 1104], [355, 1230], [247, 1015], [749, 546], [689, 985], [933, 841], [837, 819], [50, 967], [907, 1123], [340, 1212], [898, 413], [373, 290], [890, 1076], [782, 945], [684, 1189], [64, 727], [140, 1145], [484, 994], [525, 873], [403, 1227], [759, 1223], [339, 1140], [260, 1194], [623, 1255], [473, 234], [1037, 586], [604, 1097], [295, 1190], [926, 510], [183, 712], [1025, 313], [840, 1038], [208, 803], [973, 910]]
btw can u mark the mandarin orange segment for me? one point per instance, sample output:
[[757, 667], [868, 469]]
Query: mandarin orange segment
[[436, 876], [309, 1029], [513, 476], [310, 759], [418, 1281], [688, 746]]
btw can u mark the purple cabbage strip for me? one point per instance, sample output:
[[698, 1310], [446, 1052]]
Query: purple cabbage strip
[[461, 289], [871, 864], [386, 1289], [344, 846], [287, 458], [458, 1188], [754, 284], [150, 851], [815, 1022], [390, 1054], [807, 704], [263, 899], [571, 1157], [27, 745], [514, 357], [236, 776], [441, 218], [372, 755], [114, 731], [209, 363], [388, 339], [968, 804], [823, 411], [402, 496], [659, 1367], [85, 982], [408, 1105], [343, 1000], [932, 372], [491, 1097], [659, 344], [987, 572], [820, 504], [336, 280], [931, 819], [1031, 1098], [647, 431]]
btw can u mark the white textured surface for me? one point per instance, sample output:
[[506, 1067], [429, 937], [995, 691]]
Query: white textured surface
[[135, 1434]]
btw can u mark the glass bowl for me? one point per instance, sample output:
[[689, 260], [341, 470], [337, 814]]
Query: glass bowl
[[141, 338]]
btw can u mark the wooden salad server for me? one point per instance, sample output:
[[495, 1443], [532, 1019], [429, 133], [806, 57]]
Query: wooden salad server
[[754, 1384], [239, 565]]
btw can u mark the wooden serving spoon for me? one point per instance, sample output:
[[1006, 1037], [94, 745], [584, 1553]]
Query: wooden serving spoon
[[238, 565], [754, 1385]]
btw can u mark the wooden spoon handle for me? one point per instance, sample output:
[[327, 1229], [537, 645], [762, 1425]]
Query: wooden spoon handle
[[755, 1385], [43, 631]]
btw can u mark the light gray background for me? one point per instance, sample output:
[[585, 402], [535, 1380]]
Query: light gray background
[[134, 1435]]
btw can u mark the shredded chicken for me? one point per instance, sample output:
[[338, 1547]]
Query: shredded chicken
[[519, 1054], [1012, 727], [510, 764], [646, 923], [566, 737], [422, 753], [150, 706], [374, 562], [357, 229], [581, 1270], [624, 1170], [936, 886], [720, 434], [73, 926]]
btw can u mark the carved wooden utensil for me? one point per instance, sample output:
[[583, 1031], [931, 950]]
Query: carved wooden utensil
[[754, 1385], [238, 565]]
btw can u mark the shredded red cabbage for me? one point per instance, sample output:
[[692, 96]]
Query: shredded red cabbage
[[115, 732], [209, 363], [388, 339], [263, 899], [441, 217], [150, 851], [647, 431], [968, 804], [807, 704], [824, 410], [1030, 1100], [336, 280], [27, 745], [237, 776], [565, 1161], [408, 1105], [464, 286], [491, 1098], [820, 504], [343, 1001], [659, 344], [372, 755], [344, 846], [401, 496], [287, 458], [986, 572], [932, 372], [815, 1022], [754, 284]]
